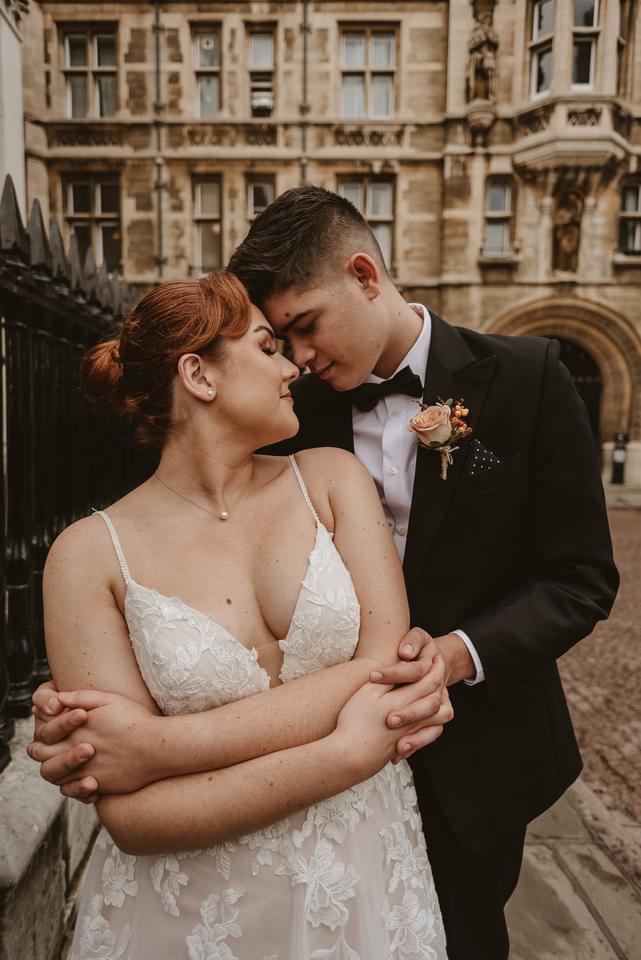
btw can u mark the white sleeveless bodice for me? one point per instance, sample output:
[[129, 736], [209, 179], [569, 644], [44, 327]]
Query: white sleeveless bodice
[[347, 879]]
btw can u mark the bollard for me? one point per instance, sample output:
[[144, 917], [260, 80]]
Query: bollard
[[618, 457]]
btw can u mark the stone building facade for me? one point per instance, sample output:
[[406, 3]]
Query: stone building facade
[[492, 144]]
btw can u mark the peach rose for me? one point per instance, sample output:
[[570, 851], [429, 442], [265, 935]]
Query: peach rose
[[432, 425]]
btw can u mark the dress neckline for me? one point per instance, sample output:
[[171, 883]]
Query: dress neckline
[[251, 651]]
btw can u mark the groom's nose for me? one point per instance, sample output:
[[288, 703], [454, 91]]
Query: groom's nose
[[302, 354]]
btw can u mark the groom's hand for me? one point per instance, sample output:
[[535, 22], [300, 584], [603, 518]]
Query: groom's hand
[[82, 738], [421, 665]]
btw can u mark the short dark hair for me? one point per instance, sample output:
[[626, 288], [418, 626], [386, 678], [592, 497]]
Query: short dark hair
[[297, 238]]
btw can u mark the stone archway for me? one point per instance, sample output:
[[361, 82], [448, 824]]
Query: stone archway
[[606, 336]]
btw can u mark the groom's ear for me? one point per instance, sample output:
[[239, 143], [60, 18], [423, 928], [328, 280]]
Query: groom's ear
[[365, 270]]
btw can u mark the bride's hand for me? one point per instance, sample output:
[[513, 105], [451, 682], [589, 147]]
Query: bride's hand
[[105, 753]]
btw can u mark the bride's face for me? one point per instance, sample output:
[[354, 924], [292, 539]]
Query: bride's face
[[252, 384]]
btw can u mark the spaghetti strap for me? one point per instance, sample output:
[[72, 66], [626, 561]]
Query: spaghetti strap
[[116, 542], [301, 484]]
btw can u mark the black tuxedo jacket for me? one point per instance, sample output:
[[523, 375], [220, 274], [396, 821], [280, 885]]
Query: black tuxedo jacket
[[519, 556]]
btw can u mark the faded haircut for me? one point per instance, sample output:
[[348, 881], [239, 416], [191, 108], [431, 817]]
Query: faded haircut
[[299, 239]]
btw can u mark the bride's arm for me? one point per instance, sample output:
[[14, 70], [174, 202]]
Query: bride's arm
[[202, 809], [289, 715]]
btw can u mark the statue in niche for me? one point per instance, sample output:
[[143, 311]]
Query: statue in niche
[[567, 232], [481, 66]]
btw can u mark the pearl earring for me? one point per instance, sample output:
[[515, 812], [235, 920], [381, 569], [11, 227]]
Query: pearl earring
[[210, 392]]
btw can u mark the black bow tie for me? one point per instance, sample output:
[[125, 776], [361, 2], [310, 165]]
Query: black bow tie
[[367, 395]]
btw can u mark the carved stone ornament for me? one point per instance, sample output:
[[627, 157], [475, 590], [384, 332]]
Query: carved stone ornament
[[17, 9], [237, 135], [534, 121], [481, 64], [567, 231], [359, 137], [589, 117]]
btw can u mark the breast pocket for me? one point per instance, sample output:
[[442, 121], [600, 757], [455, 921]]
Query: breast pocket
[[504, 474]]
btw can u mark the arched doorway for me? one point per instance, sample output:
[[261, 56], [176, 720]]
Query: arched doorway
[[597, 337], [587, 380]]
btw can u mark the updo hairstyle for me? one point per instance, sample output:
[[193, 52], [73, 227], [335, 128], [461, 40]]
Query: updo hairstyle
[[133, 374]]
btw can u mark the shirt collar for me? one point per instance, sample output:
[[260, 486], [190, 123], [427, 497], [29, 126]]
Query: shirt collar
[[416, 356]]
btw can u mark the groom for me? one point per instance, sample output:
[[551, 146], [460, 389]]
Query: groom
[[507, 561]]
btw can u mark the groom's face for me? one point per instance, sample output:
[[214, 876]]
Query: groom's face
[[336, 331]]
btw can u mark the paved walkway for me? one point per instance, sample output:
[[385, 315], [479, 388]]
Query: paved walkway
[[572, 902]]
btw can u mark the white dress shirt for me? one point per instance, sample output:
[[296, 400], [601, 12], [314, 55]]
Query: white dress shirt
[[388, 449]]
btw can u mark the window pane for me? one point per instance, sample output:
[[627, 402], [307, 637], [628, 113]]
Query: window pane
[[260, 196], [106, 87], [208, 199], [630, 236], [543, 18], [497, 237], [209, 242], [382, 50], [543, 70], [80, 198], [109, 236], [76, 51], [106, 50], [209, 50], [498, 198], [585, 13], [109, 196], [582, 62], [354, 51], [380, 200], [262, 51], [353, 97], [83, 236], [262, 94], [354, 193], [208, 96], [382, 96], [77, 87], [630, 199], [383, 233]]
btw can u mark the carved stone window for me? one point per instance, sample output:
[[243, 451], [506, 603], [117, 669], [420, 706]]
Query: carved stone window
[[92, 212], [261, 75], [374, 199], [499, 216], [368, 63], [260, 193], [541, 57], [207, 59], [630, 220], [207, 221], [91, 73], [584, 43]]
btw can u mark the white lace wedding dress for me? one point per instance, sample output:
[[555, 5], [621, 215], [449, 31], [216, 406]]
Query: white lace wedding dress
[[347, 879]]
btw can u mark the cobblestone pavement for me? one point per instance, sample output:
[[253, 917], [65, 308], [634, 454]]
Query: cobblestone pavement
[[602, 679]]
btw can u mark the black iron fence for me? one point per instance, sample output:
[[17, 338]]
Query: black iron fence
[[59, 458]]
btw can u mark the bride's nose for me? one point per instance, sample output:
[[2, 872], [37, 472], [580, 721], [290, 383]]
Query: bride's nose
[[291, 371]]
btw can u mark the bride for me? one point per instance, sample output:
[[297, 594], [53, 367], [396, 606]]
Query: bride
[[230, 576]]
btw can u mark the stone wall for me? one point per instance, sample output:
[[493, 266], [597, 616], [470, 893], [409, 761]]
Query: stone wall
[[44, 844]]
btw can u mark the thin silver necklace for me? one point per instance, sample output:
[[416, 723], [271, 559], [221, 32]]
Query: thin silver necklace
[[222, 515]]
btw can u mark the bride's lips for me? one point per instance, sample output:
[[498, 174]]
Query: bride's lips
[[287, 396]]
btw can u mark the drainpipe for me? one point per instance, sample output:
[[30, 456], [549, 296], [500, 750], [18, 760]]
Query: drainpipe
[[304, 106], [159, 185]]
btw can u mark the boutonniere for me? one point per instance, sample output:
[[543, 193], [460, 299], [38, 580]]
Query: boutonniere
[[440, 427]]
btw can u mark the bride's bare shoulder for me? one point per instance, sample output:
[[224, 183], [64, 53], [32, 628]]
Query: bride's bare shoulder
[[86, 542]]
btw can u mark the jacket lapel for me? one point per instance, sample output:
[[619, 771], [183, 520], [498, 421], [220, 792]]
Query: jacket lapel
[[452, 373]]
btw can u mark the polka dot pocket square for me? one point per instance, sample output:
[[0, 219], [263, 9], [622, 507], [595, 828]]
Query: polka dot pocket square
[[480, 459]]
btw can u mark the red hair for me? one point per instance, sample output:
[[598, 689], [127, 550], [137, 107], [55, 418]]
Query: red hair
[[134, 373]]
